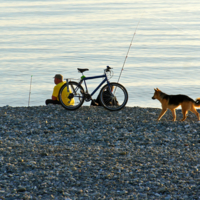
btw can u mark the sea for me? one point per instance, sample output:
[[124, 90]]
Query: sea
[[155, 42]]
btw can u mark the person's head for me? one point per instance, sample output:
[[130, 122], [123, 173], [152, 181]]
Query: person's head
[[58, 78], [111, 87]]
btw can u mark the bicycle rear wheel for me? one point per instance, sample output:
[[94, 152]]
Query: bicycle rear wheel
[[115, 98], [72, 98]]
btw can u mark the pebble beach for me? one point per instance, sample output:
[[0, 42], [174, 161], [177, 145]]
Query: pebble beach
[[47, 152]]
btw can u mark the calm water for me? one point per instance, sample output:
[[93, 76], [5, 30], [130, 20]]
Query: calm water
[[42, 38]]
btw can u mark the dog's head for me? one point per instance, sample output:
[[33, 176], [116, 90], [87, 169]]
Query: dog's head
[[156, 94]]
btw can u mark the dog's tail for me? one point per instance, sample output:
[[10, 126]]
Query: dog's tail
[[197, 102]]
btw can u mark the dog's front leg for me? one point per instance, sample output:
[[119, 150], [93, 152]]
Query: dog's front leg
[[162, 113], [174, 114]]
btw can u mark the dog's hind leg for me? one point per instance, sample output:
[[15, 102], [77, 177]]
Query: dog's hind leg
[[184, 111], [193, 109], [174, 114], [162, 113]]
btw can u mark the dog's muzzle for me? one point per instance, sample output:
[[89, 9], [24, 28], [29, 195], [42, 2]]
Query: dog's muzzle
[[153, 98]]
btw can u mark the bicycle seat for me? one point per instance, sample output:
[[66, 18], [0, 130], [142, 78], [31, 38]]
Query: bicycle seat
[[82, 70]]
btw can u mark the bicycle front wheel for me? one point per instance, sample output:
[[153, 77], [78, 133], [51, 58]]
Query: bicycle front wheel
[[113, 98], [71, 98]]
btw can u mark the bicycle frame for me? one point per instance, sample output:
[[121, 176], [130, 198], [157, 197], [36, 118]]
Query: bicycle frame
[[95, 77], [73, 94]]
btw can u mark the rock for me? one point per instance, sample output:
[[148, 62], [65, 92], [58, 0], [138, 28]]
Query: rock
[[21, 189], [162, 190], [49, 153]]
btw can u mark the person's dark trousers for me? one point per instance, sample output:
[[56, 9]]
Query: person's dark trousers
[[94, 103], [50, 101]]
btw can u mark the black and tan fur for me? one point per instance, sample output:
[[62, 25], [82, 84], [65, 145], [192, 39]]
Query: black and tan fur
[[173, 101]]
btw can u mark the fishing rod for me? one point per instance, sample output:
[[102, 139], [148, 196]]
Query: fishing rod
[[30, 91], [128, 50], [134, 36], [188, 34]]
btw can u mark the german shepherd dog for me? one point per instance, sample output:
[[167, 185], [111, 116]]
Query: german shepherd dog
[[173, 101]]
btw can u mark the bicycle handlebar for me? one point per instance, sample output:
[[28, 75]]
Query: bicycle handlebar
[[108, 69]]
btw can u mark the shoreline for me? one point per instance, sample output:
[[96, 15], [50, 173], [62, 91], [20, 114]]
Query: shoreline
[[47, 152]]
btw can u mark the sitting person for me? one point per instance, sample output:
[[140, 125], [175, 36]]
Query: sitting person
[[107, 99], [58, 80]]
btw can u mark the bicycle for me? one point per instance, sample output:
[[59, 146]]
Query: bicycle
[[113, 96]]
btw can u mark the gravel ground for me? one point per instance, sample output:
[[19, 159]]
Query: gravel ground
[[47, 152]]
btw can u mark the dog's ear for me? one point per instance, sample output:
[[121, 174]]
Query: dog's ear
[[158, 90], [154, 89]]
